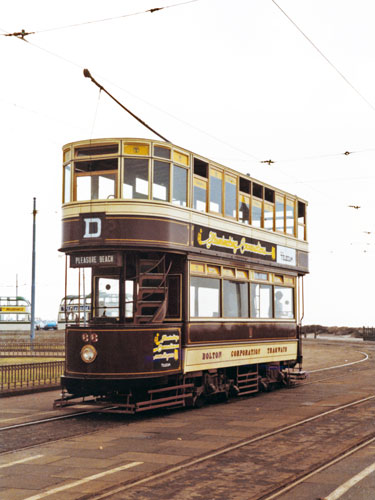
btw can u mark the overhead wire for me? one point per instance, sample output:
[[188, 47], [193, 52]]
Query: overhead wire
[[23, 33], [346, 80], [246, 153]]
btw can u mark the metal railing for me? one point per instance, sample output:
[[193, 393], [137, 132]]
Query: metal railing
[[14, 377], [27, 348], [368, 333]]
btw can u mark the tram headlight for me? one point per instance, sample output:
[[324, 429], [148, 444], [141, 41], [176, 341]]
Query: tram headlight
[[88, 353]]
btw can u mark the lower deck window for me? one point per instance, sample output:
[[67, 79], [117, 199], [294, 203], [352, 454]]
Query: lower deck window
[[261, 300], [284, 305], [108, 297], [204, 297], [235, 299]]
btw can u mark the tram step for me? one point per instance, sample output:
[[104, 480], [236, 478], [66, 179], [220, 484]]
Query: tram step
[[150, 303]]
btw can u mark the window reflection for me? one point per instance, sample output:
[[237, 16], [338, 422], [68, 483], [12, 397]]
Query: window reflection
[[160, 187], [235, 299], [261, 300], [204, 297], [67, 180], [200, 195], [284, 305], [230, 196], [135, 178], [256, 214], [280, 207], [216, 191], [179, 186], [107, 297]]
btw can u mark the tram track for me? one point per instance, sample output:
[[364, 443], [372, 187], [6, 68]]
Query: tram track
[[102, 410], [256, 440], [292, 484], [211, 460], [49, 420]]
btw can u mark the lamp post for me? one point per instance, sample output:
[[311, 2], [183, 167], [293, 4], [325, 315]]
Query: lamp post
[[32, 330]]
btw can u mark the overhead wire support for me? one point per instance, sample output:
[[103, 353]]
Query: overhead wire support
[[21, 34], [87, 74]]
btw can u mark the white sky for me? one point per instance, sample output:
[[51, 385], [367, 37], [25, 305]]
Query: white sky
[[232, 80]]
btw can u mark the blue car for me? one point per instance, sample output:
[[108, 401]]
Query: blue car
[[50, 324]]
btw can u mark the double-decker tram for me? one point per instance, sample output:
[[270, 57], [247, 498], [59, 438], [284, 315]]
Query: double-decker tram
[[194, 273], [14, 313]]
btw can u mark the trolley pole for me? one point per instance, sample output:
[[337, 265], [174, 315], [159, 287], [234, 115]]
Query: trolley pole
[[32, 330]]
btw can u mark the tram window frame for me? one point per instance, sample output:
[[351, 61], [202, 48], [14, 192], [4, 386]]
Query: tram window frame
[[67, 183], [175, 201], [235, 299], [136, 163], [290, 228], [280, 209], [279, 311], [230, 204], [258, 220], [244, 201], [97, 314], [200, 184], [162, 152], [158, 187], [104, 149], [200, 168], [216, 191], [197, 302], [301, 220], [268, 222], [257, 310], [93, 169]]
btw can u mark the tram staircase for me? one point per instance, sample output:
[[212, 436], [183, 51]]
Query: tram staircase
[[152, 297]]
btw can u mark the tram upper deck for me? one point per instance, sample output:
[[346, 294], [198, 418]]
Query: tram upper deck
[[138, 192]]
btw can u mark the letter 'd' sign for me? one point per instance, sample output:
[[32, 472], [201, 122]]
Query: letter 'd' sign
[[93, 227]]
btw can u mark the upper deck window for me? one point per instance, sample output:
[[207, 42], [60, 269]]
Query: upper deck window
[[180, 176], [160, 186], [301, 220], [162, 152], [135, 178], [256, 213], [95, 179], [96, 150], [279, 213], [216, 191], [67, 182], [200, 168], [244, 208], [230, 196], [290, 216], [200, 194]]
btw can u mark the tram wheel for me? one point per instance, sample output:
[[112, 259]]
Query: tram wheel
[[199, 401]]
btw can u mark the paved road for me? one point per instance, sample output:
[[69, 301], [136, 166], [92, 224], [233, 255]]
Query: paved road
[[136, 447]]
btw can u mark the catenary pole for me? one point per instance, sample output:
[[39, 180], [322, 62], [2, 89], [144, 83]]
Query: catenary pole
[[32, 330]]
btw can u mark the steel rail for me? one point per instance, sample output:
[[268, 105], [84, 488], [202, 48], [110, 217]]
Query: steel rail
[[50, 419], [320, 468]]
